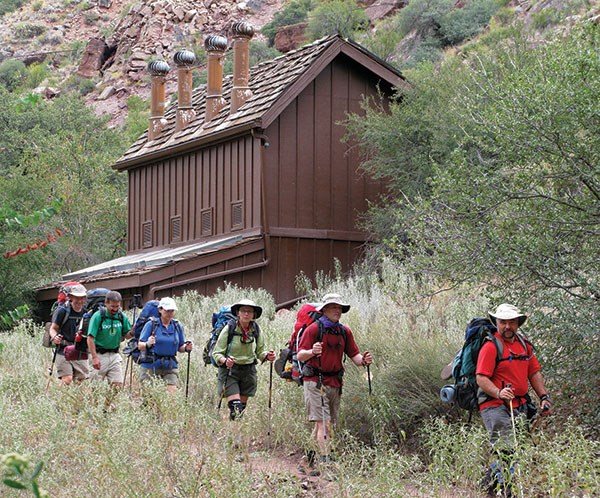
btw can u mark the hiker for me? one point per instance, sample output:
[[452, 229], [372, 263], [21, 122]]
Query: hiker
[[323, 369], [65, 323], [236, 353], [108, 326], [505, 385], [160, 341]]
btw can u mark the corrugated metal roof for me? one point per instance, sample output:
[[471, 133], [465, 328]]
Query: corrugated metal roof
[[268, 82], [152, 259]]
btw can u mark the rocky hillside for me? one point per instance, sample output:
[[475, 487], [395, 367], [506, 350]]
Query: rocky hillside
[[106, 44], [101, 47]]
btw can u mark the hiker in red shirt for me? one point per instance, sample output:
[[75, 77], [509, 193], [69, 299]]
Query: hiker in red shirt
[[504, 386], [322, 347]]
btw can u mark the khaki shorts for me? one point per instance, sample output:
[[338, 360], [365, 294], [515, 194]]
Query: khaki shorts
[[169, 375], [110, 368], [316, 409], [79, 369]]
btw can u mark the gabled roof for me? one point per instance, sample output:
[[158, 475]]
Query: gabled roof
[[274, 85]]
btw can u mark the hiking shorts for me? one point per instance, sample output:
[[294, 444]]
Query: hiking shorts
[[169, 375], [314, 405], [79, 369], [498, 423], [239, 379], [111, 368]]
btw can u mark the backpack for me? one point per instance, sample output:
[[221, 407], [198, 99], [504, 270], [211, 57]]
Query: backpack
[[224, 318], [95, 301], [288, 366], [61, 300], [465, 392], [63, 292], [149, 312], [46, 341], [149, 356]]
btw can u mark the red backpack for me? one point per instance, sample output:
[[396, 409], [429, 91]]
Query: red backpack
[[287, 365]]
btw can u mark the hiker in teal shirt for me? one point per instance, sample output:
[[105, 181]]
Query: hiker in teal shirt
[[108, 327], [237, 353]]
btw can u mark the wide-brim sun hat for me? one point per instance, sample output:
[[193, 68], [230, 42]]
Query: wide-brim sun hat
[[333, 299], [507, 312], [167, 304], [77, 291], [247, 302]]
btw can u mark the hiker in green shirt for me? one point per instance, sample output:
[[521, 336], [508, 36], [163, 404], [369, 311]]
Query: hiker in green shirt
[[108, 327], [237, 353]]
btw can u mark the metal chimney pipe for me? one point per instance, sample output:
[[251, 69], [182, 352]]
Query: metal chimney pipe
[[215, 49], [240, 92], [184, 60], [158, 71]]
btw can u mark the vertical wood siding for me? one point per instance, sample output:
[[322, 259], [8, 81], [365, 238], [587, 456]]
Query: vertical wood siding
[[313, 180], [208, 179]]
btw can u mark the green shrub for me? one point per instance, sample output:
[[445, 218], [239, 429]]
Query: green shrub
[[429, 50], [36, 74], [12, 73], [546, 17], [7, 6], [26, 31], [293, 12], [460, 24], [423, 16], [81, 85], [384, 39], [37, 5], [91, 17], [336, 16]]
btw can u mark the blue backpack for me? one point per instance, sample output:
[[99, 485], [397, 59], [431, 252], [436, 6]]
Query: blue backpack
[[149, 312]]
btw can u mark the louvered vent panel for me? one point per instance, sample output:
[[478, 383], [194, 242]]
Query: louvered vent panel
[[147, 234], [237, 215], [206, 221], [176, 229]]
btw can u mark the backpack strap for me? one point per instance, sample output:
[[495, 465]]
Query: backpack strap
[[67, 308]]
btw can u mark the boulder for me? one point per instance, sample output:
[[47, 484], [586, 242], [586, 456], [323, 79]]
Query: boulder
[[93, 58], [383, 8], [290, 37]]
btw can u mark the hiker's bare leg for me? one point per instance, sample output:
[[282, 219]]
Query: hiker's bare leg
[[65, 380], [320, 436], [171, 388]]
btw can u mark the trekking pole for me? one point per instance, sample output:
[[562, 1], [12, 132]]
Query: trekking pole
[[224, 389], [51, 368], [125, 375], [324, 421], [369, 378], [512, 419], [187, 375], [269, 405]]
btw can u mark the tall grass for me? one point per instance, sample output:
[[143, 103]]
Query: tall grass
[[395, 441]]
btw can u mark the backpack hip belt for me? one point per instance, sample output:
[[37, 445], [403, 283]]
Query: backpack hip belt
[[310, 371], [104, 350]]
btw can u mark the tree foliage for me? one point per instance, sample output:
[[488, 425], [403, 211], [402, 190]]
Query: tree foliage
[[51, 151], [293, 12], [513, 199], [344, 17]]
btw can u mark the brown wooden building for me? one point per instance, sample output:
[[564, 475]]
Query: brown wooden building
[[246, 179]]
